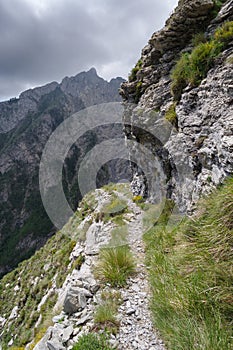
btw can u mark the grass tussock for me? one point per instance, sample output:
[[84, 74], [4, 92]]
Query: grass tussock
[[192, 276], [92, 341], [105, 316], [115, 265]]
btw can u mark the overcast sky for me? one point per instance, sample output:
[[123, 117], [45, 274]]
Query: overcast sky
[[46, 40]]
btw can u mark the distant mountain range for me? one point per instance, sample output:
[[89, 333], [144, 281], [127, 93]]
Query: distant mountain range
[[25, 125]]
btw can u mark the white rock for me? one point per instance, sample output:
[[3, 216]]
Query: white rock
[[14, 313]]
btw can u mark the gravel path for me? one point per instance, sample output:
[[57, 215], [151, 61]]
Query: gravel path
[[136, 329]]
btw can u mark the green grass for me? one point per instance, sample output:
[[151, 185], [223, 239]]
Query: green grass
[[151, 213], [106, 312], [105, 317], [92, 341], [224, 34], [115, 265], [133, 74], [192, 276], [171, 115], [193, 67], [34, 282], [217, 6]]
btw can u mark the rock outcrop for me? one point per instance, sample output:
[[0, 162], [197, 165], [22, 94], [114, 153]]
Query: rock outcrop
[[197, 155]]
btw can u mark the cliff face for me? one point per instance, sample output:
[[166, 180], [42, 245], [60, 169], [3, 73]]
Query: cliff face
[[197, 153], [25, 126]]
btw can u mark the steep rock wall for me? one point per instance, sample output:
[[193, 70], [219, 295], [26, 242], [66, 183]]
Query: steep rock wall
[[197, 154]]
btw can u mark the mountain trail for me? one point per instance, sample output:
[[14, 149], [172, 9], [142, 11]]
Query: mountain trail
[[136, 328]]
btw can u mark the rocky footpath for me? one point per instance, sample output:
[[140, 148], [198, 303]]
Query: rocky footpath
[[137, 330], [81, 292], [197, 155]]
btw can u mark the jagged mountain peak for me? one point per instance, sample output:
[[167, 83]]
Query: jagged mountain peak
[[25, 125]]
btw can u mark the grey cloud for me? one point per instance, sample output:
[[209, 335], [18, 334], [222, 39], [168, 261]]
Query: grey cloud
[[72, 35]]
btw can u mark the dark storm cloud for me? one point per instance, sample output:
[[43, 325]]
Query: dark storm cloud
[[45, 40]]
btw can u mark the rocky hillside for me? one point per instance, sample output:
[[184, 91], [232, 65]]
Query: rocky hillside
[[25, 125], [62, 286], [184, 78], [88, 287]]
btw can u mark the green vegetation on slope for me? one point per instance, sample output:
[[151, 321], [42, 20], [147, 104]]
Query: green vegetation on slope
[[171, 115], [43, 273], [92, 341], [192, 276], [25, 286], [133, 74], [193, 67]]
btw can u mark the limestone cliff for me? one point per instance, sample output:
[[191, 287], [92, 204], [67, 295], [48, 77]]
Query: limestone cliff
[[197, 154]]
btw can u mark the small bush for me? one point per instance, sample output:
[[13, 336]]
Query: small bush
[[105, 314], [171, 115], [115, 265], [77, 263], [133, 74], [92, 341]]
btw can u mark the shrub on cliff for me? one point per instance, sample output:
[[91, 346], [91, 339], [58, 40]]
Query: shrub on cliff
[[133, 74], [193, 67]]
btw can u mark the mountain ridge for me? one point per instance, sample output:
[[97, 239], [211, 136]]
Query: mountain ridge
[[26, 124]]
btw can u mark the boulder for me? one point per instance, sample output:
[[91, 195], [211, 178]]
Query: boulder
[[75, 300]]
